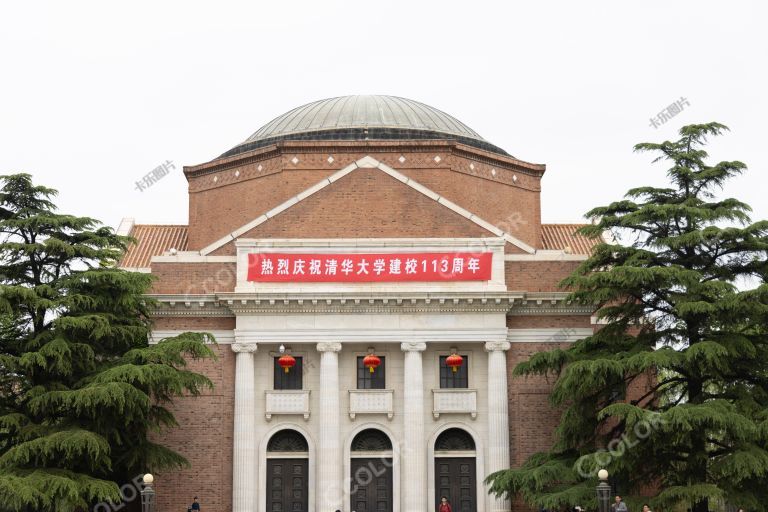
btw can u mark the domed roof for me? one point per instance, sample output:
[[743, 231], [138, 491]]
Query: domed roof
[[363, 118]]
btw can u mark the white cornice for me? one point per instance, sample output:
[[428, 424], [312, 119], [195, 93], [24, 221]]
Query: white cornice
[[546, 256], [380, 335], [564, 335], [192, 257], [233, 304], [332, 244], [366, 162]]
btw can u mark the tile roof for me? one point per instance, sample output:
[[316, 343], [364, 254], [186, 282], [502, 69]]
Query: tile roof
[[558, 237], [153, 240]]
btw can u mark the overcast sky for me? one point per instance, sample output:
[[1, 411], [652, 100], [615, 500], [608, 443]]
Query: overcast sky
[[94, 95]]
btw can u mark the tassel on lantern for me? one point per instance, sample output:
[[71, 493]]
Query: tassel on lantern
[[287, 362], [371, 361]]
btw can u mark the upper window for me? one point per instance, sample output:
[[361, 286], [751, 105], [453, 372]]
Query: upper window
[[368, 380], [454, 439], [290, 380], [371, 440], [287, 441], [450, 379]]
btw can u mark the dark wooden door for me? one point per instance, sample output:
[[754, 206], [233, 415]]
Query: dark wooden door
[[287, 485], [455, 479], [371, 489]]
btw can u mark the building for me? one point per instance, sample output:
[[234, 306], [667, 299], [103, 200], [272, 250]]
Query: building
[[349, 227]]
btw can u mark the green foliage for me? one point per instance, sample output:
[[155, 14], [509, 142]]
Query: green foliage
[[685, 304], [80, 387]]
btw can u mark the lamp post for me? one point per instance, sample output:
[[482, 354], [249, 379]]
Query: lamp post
[[148, 494], [603, 492]]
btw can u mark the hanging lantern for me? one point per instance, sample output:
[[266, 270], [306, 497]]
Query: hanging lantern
[[287, 362], [454, 362], [371, 361]]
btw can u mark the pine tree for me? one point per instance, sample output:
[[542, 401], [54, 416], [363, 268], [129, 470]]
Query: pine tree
[[80, 386], [671, 394]]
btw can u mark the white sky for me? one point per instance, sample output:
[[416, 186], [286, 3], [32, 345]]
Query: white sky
[[94, 95]]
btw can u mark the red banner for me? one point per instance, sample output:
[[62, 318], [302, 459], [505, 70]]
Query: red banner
[[360, 268]]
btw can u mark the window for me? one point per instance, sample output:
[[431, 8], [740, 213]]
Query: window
[[371, 440], [368, 380], [450, 379], [290, 380], [287, 441], [454, 439]]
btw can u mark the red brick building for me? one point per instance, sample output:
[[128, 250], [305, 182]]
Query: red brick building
[[345, 233]]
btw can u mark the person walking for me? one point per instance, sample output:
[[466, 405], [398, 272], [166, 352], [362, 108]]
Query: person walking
[[619, 505], [445, 506], [195, 504]]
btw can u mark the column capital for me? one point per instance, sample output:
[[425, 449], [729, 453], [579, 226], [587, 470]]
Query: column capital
[[497, 346], [329, 346], [413, 346], [248, 348]]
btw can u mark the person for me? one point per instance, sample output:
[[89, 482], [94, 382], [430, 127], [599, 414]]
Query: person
[[195, 505], [444, 505], [619, 506], [646, 508]]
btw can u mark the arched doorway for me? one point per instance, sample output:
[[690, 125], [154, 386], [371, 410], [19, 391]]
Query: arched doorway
[[455, 472], [287, 472], [371, 472]]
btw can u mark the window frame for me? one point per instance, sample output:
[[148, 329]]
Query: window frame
[[450, 377], [280, 378], [379, 374]]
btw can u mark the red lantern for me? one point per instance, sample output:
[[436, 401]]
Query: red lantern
[[287, 362], [454, 362], [371, 362]]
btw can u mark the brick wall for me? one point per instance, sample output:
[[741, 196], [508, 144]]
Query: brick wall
[[365, 203], [190, 278], [204, 438], [513, 209], [214, 212], [538, 276], [226, 195]]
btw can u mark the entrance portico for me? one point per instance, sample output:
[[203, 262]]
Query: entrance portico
[[329, 326], [413, 332]]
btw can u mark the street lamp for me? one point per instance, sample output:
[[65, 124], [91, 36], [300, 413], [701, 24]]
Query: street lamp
[[148, 494], [603, 492]]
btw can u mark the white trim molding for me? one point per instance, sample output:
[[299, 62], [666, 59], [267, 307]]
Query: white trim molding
[[542, 255], [562, 335], [315, 302]]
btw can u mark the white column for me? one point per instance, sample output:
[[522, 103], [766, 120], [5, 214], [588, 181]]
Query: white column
[[329, 466], [414, 450], [245, 457], [498, 415]]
